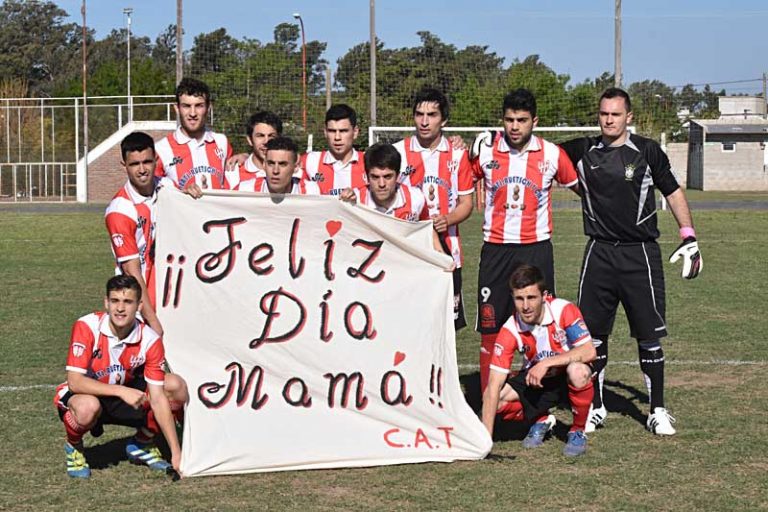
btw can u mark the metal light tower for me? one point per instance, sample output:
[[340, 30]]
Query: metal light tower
[[128, 11], [303, 70]]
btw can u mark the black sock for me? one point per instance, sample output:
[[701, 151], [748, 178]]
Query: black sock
[[652, 366], [598, 368]]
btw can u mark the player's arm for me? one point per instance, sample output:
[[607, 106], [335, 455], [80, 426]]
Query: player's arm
[[680, 210], [81, 384], [162, 409], [461, 213], [235, 161], [133, 268], [584, 353], [491, 396]]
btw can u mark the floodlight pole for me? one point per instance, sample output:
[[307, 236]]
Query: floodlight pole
[[303, 71], [617, 45], [179, 41], [83, 179], [128, 11]]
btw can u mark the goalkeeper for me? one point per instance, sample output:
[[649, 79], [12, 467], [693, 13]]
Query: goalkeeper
[[622, 261]]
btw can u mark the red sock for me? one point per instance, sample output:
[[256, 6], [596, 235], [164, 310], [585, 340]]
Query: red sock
[[512, 411], [75, 431], [542, 418], [581, 399], [487, 342]]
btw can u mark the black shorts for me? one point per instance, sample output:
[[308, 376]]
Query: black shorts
[[497, 261], [538, 401], [116, 412], [459, 320], [628, 273]]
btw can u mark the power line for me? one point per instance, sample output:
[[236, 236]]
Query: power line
[[720, 83]]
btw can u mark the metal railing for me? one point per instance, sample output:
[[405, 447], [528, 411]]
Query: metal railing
[[38, 181]]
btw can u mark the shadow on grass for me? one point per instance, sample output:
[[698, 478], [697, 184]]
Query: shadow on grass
[[108, 454], [625, 403]]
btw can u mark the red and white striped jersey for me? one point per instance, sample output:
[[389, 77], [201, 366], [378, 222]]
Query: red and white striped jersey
[[331, 175], [443, 174], [96, 352], [518, 186], [300, 187], [130, 222], [244, 172], [409, 203], [561, 330], [182, 158]]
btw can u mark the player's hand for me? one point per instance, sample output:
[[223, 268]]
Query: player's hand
[[133, 397], [484, 139], [692, 261], [236, 160], [348, 196], [176, 462], [440, 223], [194, 190], [457, 142], [535, 374]]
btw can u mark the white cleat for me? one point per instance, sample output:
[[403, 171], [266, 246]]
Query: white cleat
[[595, 419], [660, 422]]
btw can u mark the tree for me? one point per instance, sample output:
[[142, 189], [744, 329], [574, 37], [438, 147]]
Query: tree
[[36, 44], [213, 52], [164, 50]]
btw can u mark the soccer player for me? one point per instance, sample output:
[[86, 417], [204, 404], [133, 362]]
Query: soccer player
[[517, 170], [282, 158], [384, 193], [622, 261], [341, 166], [557, 348], [432, 163], [193, 154], [115, 376], [131, 222], [262, 127]]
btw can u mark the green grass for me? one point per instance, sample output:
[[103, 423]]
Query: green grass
[[53, 268]]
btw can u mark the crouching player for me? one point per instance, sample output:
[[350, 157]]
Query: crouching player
[[557, 348], [115, 376]]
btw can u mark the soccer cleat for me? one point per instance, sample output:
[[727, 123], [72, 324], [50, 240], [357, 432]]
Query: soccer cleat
[[538, 432], [146, 454], [576, 445], [77, 467], [660, 422], [595, 419]]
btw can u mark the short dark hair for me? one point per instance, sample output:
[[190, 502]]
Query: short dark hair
[[124, 282], [283, 144], [520, 99], [432, 95], [193, 87], [525, 275], [341, 111], [616, 92], [383, 156], [136, 141], [264, 117]]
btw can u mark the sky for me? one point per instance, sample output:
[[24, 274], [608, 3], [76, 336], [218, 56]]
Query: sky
[[675, 41]]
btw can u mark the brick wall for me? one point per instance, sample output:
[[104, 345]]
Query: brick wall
[[106, 175], [740, 170]]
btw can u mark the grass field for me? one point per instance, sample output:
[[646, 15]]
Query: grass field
[[52, 269]]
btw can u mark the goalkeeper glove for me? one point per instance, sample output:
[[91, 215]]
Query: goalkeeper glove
[[692, 261], [484, 139]]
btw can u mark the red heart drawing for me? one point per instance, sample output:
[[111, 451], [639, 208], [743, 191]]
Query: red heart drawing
[[399, 358], [333, 227]]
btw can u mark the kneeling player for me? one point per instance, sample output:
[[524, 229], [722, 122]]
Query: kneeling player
[[115, 376], [557, 347]]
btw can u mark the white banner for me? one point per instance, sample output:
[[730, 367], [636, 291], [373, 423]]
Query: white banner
[[311, 334]]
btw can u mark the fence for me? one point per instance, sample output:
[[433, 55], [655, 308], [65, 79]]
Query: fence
[[41, 139]]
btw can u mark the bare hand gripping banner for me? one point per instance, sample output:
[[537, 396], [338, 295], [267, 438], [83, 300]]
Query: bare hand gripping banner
[[311, 333]]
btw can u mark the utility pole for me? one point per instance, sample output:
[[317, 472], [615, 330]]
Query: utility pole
[[617, 45], [179, 43], [84, 187], [765, 99], [373, 61]]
